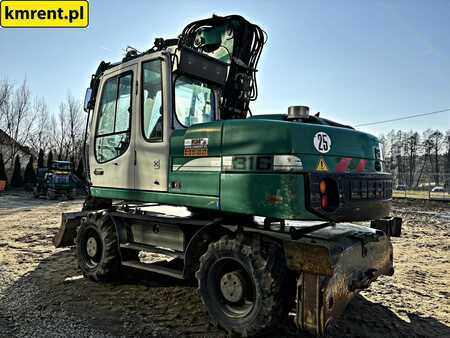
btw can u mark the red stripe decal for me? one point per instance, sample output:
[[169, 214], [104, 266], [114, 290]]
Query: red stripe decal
[[361, 166], [343, 165]]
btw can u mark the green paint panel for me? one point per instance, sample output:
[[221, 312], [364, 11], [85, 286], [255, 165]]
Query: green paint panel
[[252, 137], [189, 182], [197, 183], [261, 136], [279, 196], [198, 201]]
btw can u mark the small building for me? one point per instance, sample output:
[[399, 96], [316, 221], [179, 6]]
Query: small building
[[7, 147]]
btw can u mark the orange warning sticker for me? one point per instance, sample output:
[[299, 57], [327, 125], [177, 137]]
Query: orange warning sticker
[[322, 165], [197, 152]]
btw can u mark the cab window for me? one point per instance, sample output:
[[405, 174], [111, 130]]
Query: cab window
[[152, 115], [194, 101], [112, 136]]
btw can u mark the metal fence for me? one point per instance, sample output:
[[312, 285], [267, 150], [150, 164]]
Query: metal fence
[[433, 186]]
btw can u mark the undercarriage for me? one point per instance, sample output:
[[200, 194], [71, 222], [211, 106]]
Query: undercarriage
[[313, 268]]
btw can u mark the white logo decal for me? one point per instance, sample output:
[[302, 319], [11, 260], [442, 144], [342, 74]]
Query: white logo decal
[[322, 142]]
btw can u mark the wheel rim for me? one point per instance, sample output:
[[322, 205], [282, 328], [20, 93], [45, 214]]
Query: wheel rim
[[233, 288], [92, 248]]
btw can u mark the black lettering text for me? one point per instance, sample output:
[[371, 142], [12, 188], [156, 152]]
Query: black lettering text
[[8, 13], [22, 14]]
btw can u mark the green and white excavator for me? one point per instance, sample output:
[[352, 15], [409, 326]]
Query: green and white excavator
[[269, 196]]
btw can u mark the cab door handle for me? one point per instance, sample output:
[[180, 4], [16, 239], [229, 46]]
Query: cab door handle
[[98, 171]]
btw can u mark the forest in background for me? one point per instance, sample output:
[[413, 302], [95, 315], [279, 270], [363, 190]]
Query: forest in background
[[418, 160], [26, 119]]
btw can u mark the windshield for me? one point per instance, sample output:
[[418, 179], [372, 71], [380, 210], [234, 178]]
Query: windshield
[[194, 101]]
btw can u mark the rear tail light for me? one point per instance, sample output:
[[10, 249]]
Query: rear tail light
[[324, 202], [323, 187], [329, 194]]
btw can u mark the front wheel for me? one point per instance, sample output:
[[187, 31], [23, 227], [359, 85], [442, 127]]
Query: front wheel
[[244, 285], [97, 248], [51, 194], [70, 194]]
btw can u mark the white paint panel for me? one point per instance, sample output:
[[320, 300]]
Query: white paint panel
[[152, 158], [200, 164], [119, 172]]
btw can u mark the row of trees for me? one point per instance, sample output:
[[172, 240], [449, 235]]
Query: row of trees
[[414, 158], [29, 177], [28, 120]]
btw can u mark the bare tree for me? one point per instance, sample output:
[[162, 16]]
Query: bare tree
[[75, 121], [61, 137], [17, 121], [6, 88], [447, 168], [40, 136], [426, 147], [436, 141], [411, 144]]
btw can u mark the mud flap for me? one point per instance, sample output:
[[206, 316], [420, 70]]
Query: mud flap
[[70, 222], [391, 226], [309, 304]]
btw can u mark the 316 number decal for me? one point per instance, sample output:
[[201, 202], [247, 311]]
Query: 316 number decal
[[252, 163]]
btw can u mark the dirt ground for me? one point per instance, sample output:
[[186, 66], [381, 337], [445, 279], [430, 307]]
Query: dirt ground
[[42, 292]]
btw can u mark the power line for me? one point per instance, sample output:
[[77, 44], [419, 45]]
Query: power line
[[402, 118]]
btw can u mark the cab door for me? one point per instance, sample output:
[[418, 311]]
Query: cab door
[[111, 149], [154, 127]]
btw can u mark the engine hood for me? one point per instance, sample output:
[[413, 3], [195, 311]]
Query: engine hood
[[341, 148]]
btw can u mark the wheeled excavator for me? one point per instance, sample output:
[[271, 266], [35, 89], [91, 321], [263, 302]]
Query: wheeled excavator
[[269, 201]]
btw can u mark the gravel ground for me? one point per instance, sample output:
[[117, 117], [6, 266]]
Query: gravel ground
[[42, 292]]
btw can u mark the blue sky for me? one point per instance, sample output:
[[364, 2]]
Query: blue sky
[[354, 61]]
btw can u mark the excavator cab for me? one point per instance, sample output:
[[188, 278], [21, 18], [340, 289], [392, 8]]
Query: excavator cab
[[139, 104], [135, 105]]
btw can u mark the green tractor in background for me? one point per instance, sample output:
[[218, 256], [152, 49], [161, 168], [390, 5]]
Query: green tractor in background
[[55, 181], [172, 126]]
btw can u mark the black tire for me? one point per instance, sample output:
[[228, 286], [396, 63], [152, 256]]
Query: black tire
[[263, 284], [103, 264], [93, 203], [51, 194], [70, 194]]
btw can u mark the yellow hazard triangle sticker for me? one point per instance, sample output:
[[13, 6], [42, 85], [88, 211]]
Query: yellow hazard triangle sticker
[[322, 165]]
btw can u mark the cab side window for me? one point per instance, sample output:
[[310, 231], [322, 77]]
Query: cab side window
[[112, 136], [152, 114]]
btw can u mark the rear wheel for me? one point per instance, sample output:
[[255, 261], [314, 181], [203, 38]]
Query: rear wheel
[[244, 285], [35, 192], [97, 248], [70, 194]]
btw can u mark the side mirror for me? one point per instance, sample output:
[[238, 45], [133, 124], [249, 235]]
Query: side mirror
[[87, 99]]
